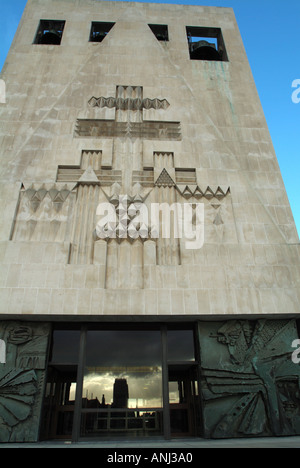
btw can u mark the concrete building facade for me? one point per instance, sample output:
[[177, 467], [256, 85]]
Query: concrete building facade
[[147, 241]]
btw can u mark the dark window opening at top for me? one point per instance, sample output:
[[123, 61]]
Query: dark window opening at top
[[160, 31], [49, 32], [99, 31], [206, 44]]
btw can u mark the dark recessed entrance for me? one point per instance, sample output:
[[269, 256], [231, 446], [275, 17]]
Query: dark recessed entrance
[[59, 402], [183, 399]]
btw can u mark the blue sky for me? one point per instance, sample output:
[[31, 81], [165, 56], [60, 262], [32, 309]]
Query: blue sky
[[270, 32]]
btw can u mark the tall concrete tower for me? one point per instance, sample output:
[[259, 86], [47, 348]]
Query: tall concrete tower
[[146, 232]]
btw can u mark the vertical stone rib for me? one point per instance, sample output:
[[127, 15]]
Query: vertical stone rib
[[112, 265], [167, 247], [85, 207], [82, 249], [82, 245], [76, 228]]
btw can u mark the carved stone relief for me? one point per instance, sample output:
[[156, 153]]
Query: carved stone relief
[[22, 380], [136, 103], [249, 384], [149, 130], [122, 238], [66, 210], [129, 123], [174, 185], [43, 213]]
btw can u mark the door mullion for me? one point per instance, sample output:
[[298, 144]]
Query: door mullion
[[79, 385], [165, 378]]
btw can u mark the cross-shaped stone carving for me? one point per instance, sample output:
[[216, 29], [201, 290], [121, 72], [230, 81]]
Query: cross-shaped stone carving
[[129, 104], [95, 181]]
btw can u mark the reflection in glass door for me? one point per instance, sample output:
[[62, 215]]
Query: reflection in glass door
[[122, 384]]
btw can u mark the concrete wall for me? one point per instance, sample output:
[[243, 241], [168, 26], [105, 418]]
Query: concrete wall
[[250, 261]]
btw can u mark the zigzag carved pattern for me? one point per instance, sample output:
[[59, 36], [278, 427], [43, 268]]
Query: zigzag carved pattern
[[128, 103], [188, 191]]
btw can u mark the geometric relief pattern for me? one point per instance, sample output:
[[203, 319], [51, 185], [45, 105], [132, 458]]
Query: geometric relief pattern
[[90, 167], [64, 211], [219, 222], [129, 104], [169, 182], [249, 384], [123, 227], [22, 380], [188, 191], [106, 176], [185, 183], [149, 130], [43, 213], [129, 98], [165, 180]]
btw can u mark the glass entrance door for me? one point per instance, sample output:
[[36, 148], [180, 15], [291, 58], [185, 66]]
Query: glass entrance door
[[60, 388], [122, 390], [183, 399], [58, 408], [132, 381]]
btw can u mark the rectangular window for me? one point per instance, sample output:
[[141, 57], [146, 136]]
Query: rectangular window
[[206, 44], [65, 345], [160, 31], [180, 345], [49, 32], [99, 31]]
